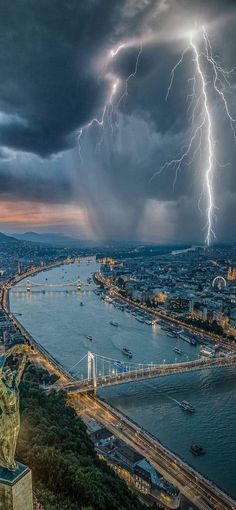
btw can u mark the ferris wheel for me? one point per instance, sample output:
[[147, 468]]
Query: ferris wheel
[[219, 282]]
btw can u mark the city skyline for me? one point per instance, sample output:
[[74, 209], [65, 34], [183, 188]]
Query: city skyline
[[57, 173]]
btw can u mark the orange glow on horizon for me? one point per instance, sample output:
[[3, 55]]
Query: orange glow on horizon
[[34, 214]]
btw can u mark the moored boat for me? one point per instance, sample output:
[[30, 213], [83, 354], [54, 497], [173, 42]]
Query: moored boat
[[188, 339], [206, 352], [139, 319]]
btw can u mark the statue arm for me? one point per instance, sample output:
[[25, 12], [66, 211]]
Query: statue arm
[[23, 350]]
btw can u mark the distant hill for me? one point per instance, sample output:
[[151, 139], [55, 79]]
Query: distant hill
[[51, 238], [7, 239]]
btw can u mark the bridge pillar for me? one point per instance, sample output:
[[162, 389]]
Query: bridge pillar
[[92, 375], [28, 286]]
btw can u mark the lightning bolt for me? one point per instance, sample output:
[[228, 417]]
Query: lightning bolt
[[132, 75], [99, 121], [108, 107], [210, 144], [201, 120], [180, 61], [220, 75], [115, 52]]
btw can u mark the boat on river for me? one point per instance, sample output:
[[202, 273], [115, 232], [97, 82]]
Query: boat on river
[[164, 328], [186, 406], [139, 319], [127, 352], [197, 450], [206, 352], [187, 339], [178, 351]]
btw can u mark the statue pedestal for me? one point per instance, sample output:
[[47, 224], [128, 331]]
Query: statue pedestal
[[16, 488]]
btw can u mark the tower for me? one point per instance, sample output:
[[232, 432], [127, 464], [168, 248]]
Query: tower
[[92, 376], [28, 286]]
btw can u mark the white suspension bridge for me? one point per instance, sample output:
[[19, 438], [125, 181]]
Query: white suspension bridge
[[29, 285], [103, 371]]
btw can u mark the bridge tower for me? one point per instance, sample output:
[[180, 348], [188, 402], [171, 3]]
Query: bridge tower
[[78, 284], [92, 375], [28, 286]]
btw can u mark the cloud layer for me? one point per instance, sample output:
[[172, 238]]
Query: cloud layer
[[56, 76]]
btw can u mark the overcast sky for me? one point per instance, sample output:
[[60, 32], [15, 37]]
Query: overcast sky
[[57, 74]]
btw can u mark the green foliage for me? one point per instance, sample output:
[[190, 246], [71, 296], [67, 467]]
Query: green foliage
[[54, 443]]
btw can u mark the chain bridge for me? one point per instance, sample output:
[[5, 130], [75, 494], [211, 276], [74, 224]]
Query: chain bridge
[[103, 371], [29, 285]]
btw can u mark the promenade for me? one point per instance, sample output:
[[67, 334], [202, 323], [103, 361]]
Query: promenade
[[196, 488], [160, 314], [38, 354]]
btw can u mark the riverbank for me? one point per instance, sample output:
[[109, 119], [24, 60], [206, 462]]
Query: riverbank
[[159, 314], [53, 442], [63, 326], [39, 353], [44, 358]]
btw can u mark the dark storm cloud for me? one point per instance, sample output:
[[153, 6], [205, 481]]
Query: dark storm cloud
[[45, 58], [52, 83], [29, 179], [47, 49], [45, 63]]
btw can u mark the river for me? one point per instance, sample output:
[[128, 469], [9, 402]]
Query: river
[[55, 318]]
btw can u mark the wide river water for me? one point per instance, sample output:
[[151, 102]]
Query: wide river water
[[56, 319]]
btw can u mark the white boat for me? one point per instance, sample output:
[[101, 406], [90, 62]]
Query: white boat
[[206, 352], [186, 406]]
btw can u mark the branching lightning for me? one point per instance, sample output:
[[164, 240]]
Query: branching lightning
[[115, 85], [220, 76], [132, 75], [114, 52], [180, 61], [210, 146], [208, 76], [201, 119], [95, 120]]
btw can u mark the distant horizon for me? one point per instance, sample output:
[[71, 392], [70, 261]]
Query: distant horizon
[[103, 242]]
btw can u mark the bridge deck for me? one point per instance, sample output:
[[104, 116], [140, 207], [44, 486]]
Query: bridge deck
[[148, 372]]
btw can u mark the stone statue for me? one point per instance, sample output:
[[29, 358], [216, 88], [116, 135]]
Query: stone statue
[[9, 406]]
